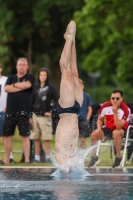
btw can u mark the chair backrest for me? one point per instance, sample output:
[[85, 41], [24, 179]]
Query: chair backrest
[[130, 105]]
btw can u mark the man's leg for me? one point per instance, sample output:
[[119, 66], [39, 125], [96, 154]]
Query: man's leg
[[47, 146], [83, 132], [26, 148], [78, 91], [11, 154], [83, 142], [67, 50], [117, 136], [8, 148], [45, 125], [8, 130], [37, 149], [67, 97], [1, 126], [95, 136], [35, 135]]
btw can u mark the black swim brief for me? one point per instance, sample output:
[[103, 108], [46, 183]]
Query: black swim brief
[[74, 109]]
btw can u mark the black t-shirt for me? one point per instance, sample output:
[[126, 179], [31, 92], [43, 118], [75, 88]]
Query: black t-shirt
[[20, 102]]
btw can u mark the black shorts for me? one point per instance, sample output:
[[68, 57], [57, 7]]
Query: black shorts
[[13, 120], [108, 132], [83, 128], [2, 114]]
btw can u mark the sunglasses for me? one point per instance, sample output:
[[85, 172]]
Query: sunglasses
[[113, 98]]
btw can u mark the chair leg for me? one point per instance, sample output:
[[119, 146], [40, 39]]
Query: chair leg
[[100, 143], [98, 147], [131, 157], [113, 152], [125, 147]]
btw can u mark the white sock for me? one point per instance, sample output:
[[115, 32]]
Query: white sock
[[11, 155], [37, 157]]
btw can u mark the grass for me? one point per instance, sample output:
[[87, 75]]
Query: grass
[[17, 145]]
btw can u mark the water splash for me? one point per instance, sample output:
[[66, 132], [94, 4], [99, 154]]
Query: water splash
[[76, 174], [75, 164]]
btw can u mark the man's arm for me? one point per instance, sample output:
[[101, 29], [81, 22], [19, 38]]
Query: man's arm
[[89, 112], [100, 122], [55, 96], [119, 123], [23, 85], [11, 89]]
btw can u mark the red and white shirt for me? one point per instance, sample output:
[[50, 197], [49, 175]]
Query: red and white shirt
[[122, 113]]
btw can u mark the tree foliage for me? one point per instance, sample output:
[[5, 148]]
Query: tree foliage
[[105, 30], [5, 31], [36, 32]]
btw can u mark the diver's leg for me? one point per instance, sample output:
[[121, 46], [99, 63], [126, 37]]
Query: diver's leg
[[67, 50], [67, 97], [77, 87]]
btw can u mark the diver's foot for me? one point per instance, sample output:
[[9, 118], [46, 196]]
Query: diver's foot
[[70, 30]]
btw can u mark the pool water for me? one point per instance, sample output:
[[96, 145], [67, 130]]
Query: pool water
[[38, 184]]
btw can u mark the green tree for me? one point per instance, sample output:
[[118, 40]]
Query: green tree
[[37, 32], [5, 30], [105, 31]]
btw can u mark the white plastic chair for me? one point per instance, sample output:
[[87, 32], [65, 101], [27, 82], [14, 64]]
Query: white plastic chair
[[110, 143], [107, 143], [127, 139]]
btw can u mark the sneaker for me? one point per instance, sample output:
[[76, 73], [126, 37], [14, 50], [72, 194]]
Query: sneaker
[[2, 162], [128, 162], [11, 160], [36, 161], [94, 161], [48, 160], [117, 162]]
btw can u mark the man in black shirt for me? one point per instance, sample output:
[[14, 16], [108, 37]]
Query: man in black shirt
[[19, 100], [43, 94]]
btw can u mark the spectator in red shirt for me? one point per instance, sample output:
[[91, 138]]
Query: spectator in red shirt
[[115, 113]]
